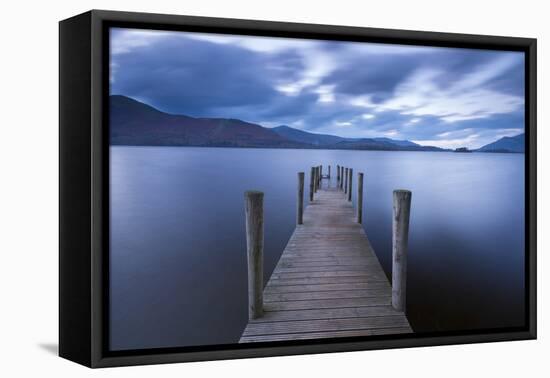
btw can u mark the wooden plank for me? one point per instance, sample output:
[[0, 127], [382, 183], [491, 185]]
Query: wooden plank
[[325, 287], [329, 303], [328, 313], [329, 253], [325, 325], [326, 280], [336, 268], [336, 294], [319, 264], [341, 273], [334, 259], [324, 335]]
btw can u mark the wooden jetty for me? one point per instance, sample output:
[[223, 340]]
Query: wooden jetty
[[328, 282]]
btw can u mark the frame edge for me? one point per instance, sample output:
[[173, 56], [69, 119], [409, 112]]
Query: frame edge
[[98, 358], [74, 189]]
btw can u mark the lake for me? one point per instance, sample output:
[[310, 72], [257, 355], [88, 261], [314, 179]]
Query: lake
[[178, 272]]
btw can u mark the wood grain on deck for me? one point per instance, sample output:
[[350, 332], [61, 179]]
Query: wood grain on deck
[[328, 282]]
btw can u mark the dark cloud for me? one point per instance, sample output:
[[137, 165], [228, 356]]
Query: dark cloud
[[375, 74], [213, 78], [187, 76]]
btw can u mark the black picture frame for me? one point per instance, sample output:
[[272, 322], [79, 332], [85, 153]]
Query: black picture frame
[[84, 190]]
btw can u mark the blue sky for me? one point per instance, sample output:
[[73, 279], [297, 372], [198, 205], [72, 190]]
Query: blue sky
[[444, 97]]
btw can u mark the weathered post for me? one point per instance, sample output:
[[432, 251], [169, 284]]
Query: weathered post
[[341, 177], [350, 186], [320, 172], [329, 171], [400, 241], [346, 180], [300, 199], [360, 197], [338, 174], [254, 214], [311, 183], [316, 179]]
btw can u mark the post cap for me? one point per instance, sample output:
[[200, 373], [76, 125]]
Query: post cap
[[253, 193], [402, 193]]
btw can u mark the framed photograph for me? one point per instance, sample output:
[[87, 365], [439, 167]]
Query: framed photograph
[[234, 188]]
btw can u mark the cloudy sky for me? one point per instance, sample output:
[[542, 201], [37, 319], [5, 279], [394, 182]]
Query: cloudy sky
[[434, 96]]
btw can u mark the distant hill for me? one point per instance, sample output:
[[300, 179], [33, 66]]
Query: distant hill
[[305, 137], [382, 145], [506, 144], [402, 143], [332, 141], [138, 124], [135, 123]]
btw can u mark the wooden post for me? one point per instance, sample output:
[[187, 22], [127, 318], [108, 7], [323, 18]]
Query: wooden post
[[311, 183], [350, 186], [400, 241], [329, 171], [254, 213], [338, 174], [359, 197], [316, 179], [341, 177], [346, 181], [300, 199]]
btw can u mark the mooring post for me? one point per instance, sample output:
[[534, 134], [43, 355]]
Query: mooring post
[[346, 180], [360, 197], [254, 213], [350, 186], [311, 183], [338, 174], [321, 172], [300, 199], [329, 171], [400, 241], [341, 177], [316, 179]]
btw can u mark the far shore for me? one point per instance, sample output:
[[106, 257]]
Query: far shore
[[438, 150]]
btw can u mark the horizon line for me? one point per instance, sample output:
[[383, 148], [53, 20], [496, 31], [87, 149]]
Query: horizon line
[[312, 132]]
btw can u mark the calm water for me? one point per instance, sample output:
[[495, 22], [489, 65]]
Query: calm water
[[178, 255]]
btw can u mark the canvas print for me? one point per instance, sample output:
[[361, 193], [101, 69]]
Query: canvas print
[[284, 190]]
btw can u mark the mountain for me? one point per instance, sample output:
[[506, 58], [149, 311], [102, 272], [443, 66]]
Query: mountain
[[305, 137], [382, 144], [135, 123], [332, 141], [138, 124], [506, 144], [402, 143]]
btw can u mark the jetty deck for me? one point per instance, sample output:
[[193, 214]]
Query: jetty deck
[[328, 282]]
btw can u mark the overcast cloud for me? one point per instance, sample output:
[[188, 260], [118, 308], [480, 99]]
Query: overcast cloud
[[434, 96]]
